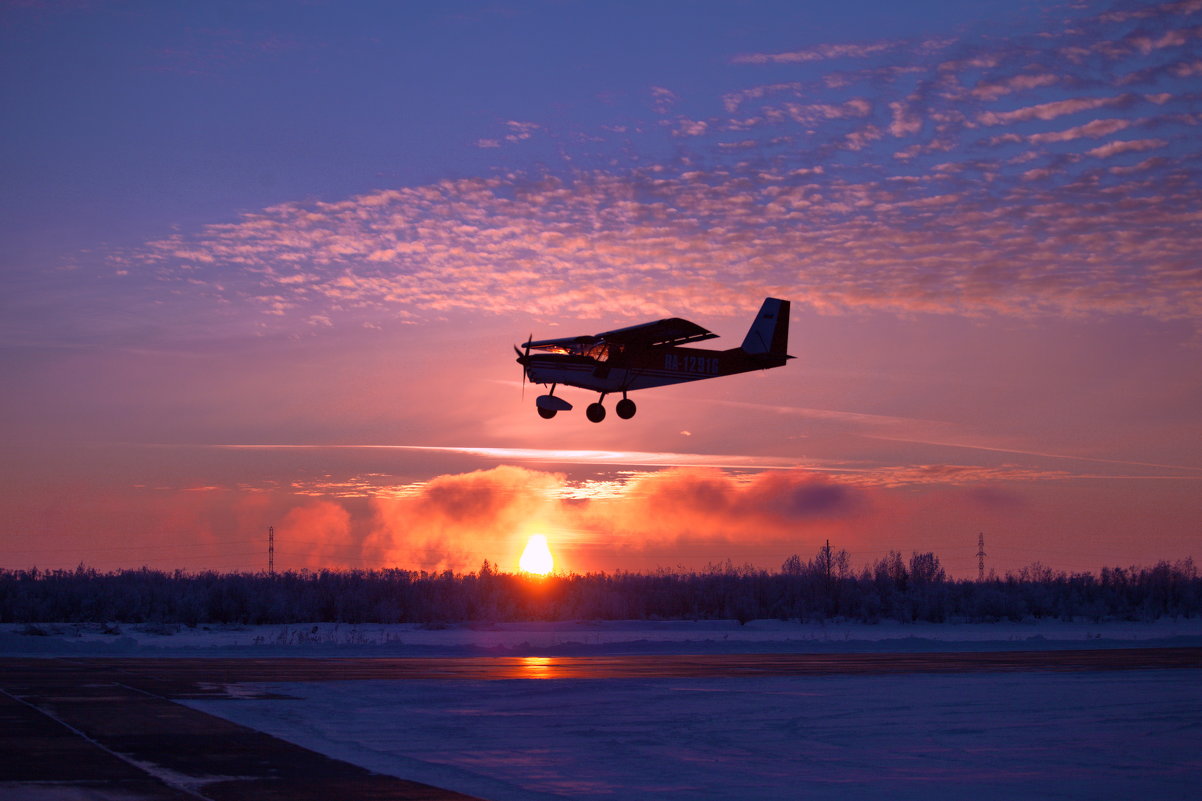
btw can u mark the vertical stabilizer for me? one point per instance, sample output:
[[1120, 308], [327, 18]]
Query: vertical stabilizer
[[769, 334]]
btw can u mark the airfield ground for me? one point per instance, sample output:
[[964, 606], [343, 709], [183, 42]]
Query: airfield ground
[[107, 729]]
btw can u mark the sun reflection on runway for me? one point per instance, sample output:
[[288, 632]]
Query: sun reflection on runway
[[536, 667]]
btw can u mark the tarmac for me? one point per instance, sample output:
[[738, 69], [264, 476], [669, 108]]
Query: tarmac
[[99, 729]]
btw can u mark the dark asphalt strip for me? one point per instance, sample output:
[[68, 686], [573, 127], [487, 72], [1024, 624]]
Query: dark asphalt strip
[[44, 757], [103, 739]]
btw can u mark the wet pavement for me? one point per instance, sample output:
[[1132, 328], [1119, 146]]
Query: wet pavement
[[104, 729]]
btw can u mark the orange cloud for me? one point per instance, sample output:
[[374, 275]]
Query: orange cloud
[[456, 521], [695, 515], [705, 503], [319, 534]]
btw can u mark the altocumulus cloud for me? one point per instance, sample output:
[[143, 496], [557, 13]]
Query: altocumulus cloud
[[969, 176]]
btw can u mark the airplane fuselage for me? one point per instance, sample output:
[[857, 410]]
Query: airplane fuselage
[[625, 372]]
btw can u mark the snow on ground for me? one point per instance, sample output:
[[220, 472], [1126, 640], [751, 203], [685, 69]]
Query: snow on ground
[[592, 638], [1095, 735]]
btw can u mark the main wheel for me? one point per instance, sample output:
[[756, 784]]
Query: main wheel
[[625, 408], [546, 414], [595, 412]]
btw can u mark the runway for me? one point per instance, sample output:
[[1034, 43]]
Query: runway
[[110, 728]]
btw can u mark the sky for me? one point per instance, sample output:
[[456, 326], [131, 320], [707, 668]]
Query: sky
[[263, 265]]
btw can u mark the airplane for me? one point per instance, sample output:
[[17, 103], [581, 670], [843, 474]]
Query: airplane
[[648, 355]]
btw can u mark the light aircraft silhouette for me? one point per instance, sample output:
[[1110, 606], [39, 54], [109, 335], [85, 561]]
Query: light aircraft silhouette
[[648, 355]]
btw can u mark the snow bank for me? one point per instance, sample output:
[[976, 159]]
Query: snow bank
[[593, 638]]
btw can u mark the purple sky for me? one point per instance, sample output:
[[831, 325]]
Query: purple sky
[[263, 265]]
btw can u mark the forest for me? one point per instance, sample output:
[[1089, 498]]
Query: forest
[[825, 587]]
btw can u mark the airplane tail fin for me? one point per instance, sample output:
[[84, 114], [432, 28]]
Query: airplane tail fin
[[769, 334]]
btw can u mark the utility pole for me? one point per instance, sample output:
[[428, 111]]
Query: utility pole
[[981, 556], [271, 550]]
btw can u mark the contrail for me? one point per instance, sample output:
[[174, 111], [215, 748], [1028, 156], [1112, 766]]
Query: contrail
[[1033, 453], [567, 456], [833, 414]]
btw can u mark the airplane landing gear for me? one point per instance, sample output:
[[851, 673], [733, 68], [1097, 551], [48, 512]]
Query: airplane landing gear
[[625, 408], [595, 412], [548, 405]]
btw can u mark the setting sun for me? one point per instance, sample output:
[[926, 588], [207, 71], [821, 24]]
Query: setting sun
[[537, 556]]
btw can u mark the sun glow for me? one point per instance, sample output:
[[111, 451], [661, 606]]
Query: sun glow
[[537, 556]]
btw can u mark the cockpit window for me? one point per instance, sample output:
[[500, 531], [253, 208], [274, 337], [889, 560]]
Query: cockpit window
[[600, 351], [597, 350]]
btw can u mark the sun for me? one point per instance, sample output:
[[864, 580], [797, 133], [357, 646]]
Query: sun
[[537, 558]]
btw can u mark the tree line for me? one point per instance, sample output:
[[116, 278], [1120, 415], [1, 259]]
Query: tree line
[[822, 588]]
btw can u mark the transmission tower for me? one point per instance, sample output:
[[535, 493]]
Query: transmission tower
[[981, 556], [271, 550]]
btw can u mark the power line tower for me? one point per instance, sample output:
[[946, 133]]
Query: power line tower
[[981, 556], [271, 550]]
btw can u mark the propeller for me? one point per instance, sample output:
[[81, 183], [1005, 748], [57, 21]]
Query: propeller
[[523, 360]]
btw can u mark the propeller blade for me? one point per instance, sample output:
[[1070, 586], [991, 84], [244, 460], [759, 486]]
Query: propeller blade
[[525, 361]]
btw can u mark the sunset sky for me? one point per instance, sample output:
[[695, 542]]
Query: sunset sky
[[263, 264]]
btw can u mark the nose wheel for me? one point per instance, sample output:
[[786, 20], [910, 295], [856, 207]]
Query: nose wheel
[[548, 405]]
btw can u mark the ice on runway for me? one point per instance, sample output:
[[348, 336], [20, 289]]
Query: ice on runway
[[984, 736]]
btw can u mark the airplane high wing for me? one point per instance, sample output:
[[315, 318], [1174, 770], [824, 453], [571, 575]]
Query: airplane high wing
[[648, 355], [673, 331]]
